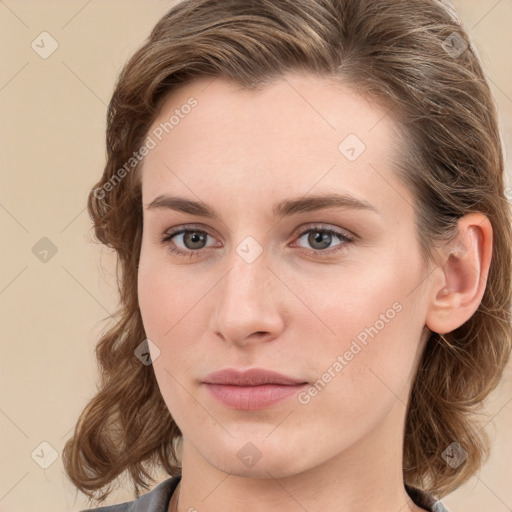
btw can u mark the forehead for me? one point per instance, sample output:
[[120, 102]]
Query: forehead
[[298, 133]]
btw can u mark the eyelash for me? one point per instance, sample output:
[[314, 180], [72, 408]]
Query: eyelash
[[344, 238]]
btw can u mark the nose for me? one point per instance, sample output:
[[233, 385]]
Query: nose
[[250, 302]]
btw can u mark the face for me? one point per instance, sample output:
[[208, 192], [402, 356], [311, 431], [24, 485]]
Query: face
[[330, 297]]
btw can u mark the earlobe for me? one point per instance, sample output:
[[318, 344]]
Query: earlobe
[[463, 270]]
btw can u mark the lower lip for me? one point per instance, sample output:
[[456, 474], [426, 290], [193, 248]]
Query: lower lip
[[252, 398]]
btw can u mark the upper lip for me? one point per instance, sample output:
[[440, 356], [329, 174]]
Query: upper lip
[[252, 377]]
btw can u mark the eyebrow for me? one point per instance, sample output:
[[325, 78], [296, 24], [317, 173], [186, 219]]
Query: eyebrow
[[284, 208]]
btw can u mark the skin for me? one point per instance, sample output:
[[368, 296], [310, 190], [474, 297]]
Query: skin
[[289, 310]]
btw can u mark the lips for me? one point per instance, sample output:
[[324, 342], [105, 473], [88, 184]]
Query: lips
[[253, 389], [252, 377]]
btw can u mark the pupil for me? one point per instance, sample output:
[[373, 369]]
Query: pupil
[[319, 237], [195, 238]]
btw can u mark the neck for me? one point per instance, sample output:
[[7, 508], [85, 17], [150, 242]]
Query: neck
[[365, 477]]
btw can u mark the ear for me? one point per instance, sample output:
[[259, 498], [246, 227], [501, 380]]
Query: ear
[[461, 276]]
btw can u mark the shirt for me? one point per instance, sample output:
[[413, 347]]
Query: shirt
[[158, 499]]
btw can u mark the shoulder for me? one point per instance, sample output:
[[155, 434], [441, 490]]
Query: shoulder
[[425, 500], [156, 500]]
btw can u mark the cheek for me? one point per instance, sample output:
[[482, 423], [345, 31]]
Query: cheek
[[153, 299], [364, 372], [165, 294], [164, 302], [374, 327], [172, 305], [367, 303]]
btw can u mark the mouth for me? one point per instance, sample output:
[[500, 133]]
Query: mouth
[[253, 389]]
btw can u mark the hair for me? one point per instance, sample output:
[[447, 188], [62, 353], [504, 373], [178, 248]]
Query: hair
[[395, 52]]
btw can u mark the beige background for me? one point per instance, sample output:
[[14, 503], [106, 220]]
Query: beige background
[[52, 150]]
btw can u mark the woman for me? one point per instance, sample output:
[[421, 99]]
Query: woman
[[306, 200]]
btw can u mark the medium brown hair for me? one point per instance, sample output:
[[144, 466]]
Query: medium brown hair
[[412, 57]]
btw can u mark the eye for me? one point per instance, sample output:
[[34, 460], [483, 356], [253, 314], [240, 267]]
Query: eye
[[321, 237], [192, 241]]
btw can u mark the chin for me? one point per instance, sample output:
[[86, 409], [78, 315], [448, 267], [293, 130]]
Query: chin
[[263, 469], [256, 458]]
